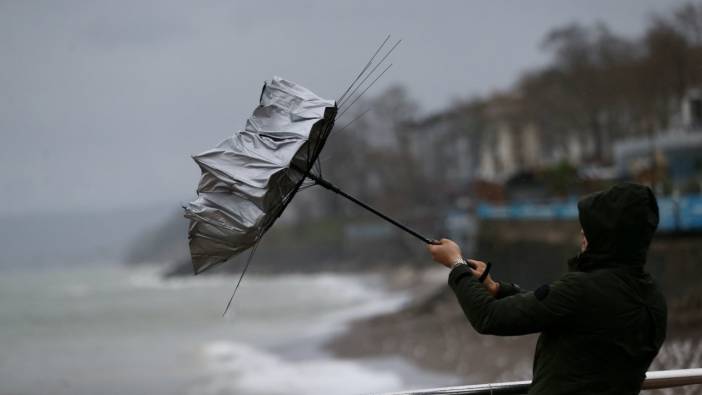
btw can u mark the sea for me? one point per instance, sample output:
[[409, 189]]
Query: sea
[[114, 329]]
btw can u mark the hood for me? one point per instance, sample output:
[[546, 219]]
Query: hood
[[619, 224]]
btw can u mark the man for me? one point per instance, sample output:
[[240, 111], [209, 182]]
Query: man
[[602, 323]]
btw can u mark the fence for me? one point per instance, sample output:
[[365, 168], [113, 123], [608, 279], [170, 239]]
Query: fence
[[654, 380]]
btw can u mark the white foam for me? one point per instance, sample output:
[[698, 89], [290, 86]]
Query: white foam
[[152, 277], [347, 296], [240, 369], [284, 312]]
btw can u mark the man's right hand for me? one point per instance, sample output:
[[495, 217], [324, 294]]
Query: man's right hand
[[478, 269], [447, 252]]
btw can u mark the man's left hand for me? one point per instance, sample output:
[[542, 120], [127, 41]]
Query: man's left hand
[[478, 268]]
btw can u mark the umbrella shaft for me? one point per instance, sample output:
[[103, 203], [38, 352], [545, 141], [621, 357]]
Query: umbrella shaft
[[326, 184]]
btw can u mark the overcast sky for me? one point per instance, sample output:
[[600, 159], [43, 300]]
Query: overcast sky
[[102, 102]]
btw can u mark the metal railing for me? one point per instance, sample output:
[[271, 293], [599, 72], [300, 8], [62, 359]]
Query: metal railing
[[654, 380]]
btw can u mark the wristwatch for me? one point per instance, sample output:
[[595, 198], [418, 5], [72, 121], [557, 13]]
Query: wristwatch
[[458, 263]]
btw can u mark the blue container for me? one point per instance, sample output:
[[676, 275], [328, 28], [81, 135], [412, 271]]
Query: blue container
[[690, 213], [667, 209], [682, 214]]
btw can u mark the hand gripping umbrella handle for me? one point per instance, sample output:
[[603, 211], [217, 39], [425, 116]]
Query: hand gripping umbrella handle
[[326, 184]]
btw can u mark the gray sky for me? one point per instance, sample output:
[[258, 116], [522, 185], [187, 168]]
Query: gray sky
[[102, 102]]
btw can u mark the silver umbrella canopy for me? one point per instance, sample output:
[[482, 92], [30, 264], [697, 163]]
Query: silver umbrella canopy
[[249, 178]]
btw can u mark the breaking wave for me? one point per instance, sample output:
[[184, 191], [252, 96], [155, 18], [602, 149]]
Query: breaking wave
[[240, 369]]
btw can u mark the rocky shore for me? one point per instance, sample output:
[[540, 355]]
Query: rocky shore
[[433, 333]]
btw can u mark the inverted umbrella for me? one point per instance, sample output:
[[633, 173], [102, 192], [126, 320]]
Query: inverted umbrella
[[250, 178]]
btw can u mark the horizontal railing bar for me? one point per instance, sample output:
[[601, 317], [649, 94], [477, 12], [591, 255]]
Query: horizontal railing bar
[[672, 378], [654, 380]]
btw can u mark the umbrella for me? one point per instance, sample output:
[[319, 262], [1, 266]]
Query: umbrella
[[250, 178]]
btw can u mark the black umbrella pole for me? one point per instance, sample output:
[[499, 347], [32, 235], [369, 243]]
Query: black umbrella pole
[[326, 184]]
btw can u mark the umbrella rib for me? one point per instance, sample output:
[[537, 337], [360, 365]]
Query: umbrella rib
[[326, 133], [364, 91], [354, 120], [241, 277], [279, 209], [259, 237], [325, 158], [364, 68], [342, 102], [318, 166]]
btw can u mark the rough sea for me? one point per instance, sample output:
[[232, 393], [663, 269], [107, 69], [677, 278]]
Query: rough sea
[[110, 329]]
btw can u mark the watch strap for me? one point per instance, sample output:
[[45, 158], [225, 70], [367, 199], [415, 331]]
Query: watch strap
[[458, 263], [488, 266]]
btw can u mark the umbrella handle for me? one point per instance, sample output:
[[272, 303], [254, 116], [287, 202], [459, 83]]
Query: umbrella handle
[[328, 185]]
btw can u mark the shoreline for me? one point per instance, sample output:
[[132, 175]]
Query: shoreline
[[429, 333], [432, 333]]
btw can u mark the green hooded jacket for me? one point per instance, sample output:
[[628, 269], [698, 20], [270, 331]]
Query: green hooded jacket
[[604, 321]]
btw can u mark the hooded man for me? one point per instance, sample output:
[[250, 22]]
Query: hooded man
[[602, 323]]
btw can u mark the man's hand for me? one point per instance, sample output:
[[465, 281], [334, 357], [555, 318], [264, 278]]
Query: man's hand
[[447, 253], [478, 270]]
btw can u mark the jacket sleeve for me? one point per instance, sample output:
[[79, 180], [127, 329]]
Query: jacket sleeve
[[507, 289], [520, 313]]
